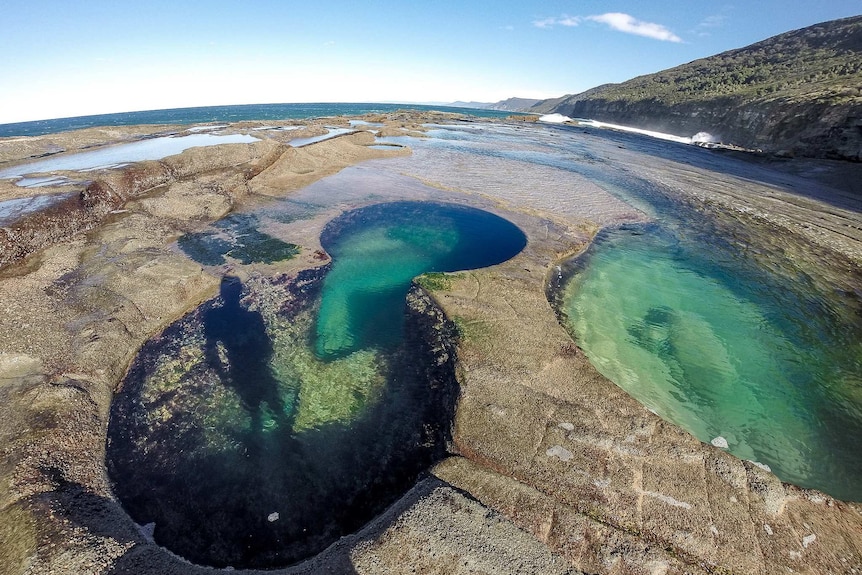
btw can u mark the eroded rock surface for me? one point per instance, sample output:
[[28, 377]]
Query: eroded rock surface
[[552, 468]]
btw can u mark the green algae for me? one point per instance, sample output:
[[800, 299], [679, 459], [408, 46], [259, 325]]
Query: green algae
[[327, 392], [436, 281], [239, 238]]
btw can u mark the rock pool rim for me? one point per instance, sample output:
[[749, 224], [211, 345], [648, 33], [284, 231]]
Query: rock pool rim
[[569, 268]]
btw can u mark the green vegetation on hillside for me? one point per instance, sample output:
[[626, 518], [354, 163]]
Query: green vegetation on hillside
[[822, 63], [799, 92]]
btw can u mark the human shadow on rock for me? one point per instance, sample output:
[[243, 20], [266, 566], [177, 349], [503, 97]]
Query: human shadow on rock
[[239, 349]]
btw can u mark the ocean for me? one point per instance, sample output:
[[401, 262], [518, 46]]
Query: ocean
[[260, 112]]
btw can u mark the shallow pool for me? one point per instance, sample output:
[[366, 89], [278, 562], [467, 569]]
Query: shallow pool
[[728, 352], [113, 156]]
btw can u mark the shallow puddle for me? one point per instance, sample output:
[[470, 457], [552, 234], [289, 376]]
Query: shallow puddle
[[12, 210], [238, 237], [111, 156]]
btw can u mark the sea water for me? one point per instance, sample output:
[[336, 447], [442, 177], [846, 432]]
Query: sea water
[[254, 112]]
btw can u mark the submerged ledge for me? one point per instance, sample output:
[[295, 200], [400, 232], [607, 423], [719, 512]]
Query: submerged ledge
[[541, 443]]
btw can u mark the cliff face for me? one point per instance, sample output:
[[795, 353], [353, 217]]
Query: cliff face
[[799, 92]]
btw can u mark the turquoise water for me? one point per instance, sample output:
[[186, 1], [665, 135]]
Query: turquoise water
[[283, 415], [378, 250], [712, 343]]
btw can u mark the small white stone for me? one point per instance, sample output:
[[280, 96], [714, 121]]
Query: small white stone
[[713, 529], [272, 516], [719, 442], [767, 528], [763, 466], [567, 426], [808, 540], [560, 452]]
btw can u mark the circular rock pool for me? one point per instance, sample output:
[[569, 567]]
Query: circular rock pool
[[289, 411]]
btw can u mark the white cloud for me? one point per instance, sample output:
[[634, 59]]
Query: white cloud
[[713, 21], [631, 25], [709, 23], [563, 20]]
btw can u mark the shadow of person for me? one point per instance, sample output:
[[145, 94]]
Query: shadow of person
[[239, 350]]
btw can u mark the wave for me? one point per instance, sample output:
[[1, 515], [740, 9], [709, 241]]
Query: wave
[[699, 138]]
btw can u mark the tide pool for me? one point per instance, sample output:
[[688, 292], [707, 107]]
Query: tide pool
[[289, 411], [725, 352], [378, 250], [112, 156]]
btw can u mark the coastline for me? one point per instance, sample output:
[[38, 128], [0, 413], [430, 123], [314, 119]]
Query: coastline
[[558, 452]]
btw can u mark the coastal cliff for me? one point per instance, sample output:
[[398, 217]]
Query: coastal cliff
[[796, 93]]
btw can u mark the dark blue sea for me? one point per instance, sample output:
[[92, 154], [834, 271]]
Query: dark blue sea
[[262, 112]]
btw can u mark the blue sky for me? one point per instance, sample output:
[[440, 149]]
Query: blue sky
[[86, 57]]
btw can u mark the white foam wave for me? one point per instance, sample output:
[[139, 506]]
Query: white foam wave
[[700, 137], [555, 118]]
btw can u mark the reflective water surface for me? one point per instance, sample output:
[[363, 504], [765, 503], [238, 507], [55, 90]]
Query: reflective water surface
[[110, 156]]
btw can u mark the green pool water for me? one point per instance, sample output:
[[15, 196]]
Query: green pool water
[[726, 352], [288, 411], [378, 250]]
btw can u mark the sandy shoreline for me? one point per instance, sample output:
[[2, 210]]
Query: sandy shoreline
[[553, 468]]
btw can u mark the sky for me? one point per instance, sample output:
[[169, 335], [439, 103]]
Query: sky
[[79, 57]]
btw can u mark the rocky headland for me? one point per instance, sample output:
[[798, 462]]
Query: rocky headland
[[794, 94], [549, 467]]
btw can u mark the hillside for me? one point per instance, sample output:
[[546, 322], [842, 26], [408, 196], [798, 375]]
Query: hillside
[[508, 105], [800, 91]]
